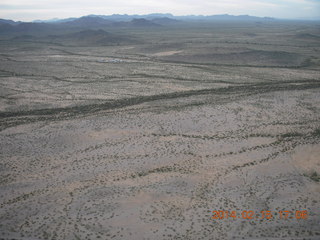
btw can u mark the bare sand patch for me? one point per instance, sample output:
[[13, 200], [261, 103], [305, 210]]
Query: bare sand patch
[[166, 53], [306, 158]]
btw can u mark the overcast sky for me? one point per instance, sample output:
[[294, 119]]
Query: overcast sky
[[28, 10]]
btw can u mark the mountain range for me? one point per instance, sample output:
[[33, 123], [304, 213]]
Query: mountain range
[[41, 28], [103, 19]]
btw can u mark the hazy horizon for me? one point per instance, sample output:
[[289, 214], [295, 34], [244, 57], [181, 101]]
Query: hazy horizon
[[151, 13], [19, 10]]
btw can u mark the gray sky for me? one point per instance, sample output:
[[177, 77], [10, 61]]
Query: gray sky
[[28, 10]]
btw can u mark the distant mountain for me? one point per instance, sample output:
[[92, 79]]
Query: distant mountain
[[97, 21], [10, 22], [87, 21], [60, 20], [115, 17], [164, 21], [223, 17], [47, 21], [42, 28], [12, 28], [25, 28], [142, 22], [153, 16], [157, 15], [127, 18]]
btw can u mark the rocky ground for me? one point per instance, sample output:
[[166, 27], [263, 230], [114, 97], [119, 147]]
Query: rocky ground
[[145, 142]]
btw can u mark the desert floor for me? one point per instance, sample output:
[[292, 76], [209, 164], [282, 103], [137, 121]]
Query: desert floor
[[144, 141]]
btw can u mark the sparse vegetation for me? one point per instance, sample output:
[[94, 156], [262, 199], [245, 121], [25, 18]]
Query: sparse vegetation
[[314, 176], [108, 131]]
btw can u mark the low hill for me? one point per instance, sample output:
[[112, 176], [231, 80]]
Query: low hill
[[91, 37], [87, 21]]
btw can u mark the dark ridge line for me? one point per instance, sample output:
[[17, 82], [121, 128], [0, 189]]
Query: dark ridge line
[[268, 44], [233, 65], [93, 108]]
